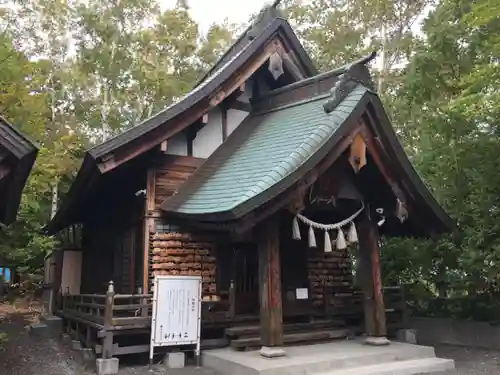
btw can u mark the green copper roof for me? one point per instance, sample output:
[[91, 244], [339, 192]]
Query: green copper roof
[[261, 152]]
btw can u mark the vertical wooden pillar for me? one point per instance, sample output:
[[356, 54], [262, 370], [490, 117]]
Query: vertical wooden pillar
[[271, 316], [371, 281], [148, 226]]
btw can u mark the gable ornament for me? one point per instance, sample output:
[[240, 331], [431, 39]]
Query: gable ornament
[[276, 65]]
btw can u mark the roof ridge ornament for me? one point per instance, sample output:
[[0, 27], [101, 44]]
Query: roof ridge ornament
[[263, 18], [339, 90]]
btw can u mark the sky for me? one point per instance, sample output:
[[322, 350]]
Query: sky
[[207, 12]]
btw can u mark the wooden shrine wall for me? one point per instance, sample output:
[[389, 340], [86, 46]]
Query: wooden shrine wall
[[170, 172], [173, 252], [330, 278]]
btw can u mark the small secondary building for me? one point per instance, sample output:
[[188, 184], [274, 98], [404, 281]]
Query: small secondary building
[[17, 156], [257, 181]]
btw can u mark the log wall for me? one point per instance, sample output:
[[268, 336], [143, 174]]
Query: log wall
[[170, 173], [330, 278], [172, 251], [185, 254]]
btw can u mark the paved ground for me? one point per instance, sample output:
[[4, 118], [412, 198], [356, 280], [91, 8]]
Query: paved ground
[[24, 355]]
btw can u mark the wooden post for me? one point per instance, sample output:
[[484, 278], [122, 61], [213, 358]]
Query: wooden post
[[271, 315], [371, 281], [224, 123], [107, 345], [232, 300], [148, 224]]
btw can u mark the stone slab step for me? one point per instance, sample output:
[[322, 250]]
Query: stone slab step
[[293, 338], [254, 330], [54, 324], [411, 367], [39, 330]]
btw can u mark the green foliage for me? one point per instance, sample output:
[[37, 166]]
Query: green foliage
[[452, 88], [3, 339], [74, 73]]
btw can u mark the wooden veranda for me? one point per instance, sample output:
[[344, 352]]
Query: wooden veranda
[[114, 324]]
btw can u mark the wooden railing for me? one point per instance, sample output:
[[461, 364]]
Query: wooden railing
[[111, 311]]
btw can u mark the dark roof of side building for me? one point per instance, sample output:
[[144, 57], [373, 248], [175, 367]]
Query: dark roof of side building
[[17, 156]]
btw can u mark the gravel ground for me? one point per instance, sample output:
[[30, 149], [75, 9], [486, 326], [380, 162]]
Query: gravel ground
[[469, 361], [25, 355]]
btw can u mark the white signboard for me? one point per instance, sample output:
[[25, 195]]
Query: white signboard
[[176, 311], [301, 293]]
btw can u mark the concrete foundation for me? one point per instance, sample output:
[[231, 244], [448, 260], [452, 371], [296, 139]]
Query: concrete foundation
[[174, 360], [407, 335], [107, 366], [76, 345], [54, 325], [432, 331], [335, 358], [39, 330]]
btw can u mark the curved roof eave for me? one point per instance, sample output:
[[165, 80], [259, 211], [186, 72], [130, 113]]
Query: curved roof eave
[[441, 222]]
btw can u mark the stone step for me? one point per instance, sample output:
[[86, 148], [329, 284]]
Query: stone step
[[49, 327], [39, 330], [411, 367], [314, 359]]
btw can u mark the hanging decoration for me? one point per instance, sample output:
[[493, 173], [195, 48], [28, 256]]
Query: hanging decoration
[[312, 238], [352, 236], [296, 229], [276, 65], [328, 242], [401, 211], [340, 241], [380, 211], [341, 245]]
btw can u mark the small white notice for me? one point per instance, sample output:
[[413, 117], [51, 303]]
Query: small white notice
[[176, 316], [301, 293]]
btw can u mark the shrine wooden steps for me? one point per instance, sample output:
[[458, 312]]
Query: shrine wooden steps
[[292, 338], [248, 337]]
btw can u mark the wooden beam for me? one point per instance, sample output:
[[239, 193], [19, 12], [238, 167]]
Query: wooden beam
[[381, 160], [4, 171], [224, 125], [3, 155], [292, 67], [163, 147], [271, 315], [369, 273], [240, 105], [204, 119]]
